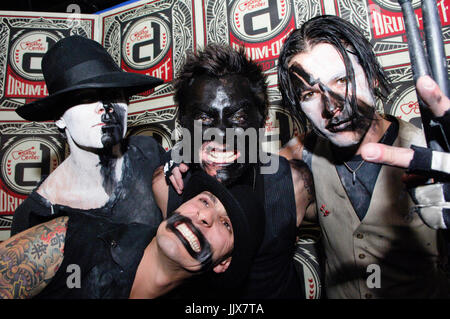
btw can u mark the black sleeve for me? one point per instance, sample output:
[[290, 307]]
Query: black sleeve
[[21, 217]]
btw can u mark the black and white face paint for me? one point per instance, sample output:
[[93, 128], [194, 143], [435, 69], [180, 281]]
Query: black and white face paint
[[95, 125], [224, 106], [325, 94]]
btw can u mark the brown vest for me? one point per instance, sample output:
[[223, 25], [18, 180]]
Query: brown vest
[[405, 252]]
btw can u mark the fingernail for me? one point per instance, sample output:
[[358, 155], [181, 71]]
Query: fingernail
[[372, 153], [428, 83]]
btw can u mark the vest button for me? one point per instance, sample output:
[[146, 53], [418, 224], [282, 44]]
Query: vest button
[[361, 256]]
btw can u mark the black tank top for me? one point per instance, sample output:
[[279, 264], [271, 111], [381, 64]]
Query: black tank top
[[105, 255]]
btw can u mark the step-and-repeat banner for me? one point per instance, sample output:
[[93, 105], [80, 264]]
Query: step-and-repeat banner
[[152, 37]]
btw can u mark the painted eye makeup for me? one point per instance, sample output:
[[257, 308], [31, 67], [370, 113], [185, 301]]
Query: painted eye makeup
[[239, 117], [206, 120]]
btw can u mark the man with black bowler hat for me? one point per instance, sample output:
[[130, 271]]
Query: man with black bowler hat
[[105, 174]]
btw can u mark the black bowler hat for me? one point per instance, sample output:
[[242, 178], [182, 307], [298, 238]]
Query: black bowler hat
[[76, 69], [247, 218]]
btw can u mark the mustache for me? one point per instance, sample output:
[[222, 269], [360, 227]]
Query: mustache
[[204, 256]]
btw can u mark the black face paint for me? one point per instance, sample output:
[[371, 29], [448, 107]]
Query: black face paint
[[204, 256], [221, 104], [112, 134], [297, 69], [113, 129]]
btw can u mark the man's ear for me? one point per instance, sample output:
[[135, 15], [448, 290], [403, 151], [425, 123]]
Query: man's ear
[[224, 264], [61, 124]]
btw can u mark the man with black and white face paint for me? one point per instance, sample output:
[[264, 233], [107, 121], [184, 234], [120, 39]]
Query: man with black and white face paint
[[225, 92], [329, 77], [104, 174]]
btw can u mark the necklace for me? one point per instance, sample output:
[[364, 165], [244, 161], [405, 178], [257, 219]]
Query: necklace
[[353, 171]]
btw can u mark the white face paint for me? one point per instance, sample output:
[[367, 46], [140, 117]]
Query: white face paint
[[324, 64], [83, 123]]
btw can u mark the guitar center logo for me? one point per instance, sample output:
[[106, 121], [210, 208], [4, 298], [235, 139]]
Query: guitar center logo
[[259, 20], [406, 106], [146, 43], [27, 52], [26, 161]]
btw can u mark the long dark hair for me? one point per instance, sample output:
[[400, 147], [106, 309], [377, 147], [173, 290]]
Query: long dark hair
[[344, 37]]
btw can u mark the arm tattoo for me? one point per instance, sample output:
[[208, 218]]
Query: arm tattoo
[[306, 176], [29, 260]]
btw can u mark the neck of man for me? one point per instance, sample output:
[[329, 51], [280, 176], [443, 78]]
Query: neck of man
[[375, 132], [97, 165], [156, 274], [86, 178]]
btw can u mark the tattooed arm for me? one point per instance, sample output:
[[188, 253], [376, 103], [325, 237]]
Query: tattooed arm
[[30, 259], [303, 191]]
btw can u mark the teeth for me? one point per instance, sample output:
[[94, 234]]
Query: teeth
[[191, 238], [222, 157]]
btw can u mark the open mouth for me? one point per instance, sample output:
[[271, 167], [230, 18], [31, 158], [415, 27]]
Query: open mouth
[[189, 236], [217, 154]]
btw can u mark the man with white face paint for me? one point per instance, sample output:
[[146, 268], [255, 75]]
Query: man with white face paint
[[105, 174], [329, 76]]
